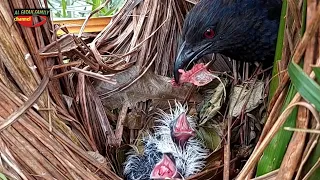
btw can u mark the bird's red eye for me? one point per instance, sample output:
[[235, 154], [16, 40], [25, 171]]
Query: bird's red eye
[[209, 33]]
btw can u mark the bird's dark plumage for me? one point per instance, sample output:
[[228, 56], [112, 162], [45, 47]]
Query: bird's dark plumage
[[244, 30], [140, 166]]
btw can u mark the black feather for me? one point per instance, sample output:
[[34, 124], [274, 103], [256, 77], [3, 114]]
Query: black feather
[[245, 30]]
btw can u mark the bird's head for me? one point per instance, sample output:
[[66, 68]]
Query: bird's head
[[165, 168], [211, 26], [177, 125]]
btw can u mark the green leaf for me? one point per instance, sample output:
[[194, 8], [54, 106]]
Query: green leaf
[[64, 8], [316, 70], [306, 86], [273, 154], [278, 54], [314, 156], [3, 177], [210, 137]]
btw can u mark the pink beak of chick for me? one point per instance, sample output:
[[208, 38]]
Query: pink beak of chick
[[182, 130], [165, 169]]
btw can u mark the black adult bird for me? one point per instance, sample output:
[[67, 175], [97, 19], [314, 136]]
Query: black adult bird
[[244, 30]]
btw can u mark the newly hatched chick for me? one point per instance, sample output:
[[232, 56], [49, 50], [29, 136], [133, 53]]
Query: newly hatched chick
[[154, 163], [176, 124], [171, 152], [179, 129]]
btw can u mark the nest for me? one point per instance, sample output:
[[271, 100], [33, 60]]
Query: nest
[[72, 106]]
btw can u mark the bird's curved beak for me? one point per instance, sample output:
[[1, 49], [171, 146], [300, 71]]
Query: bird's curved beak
[[186, 55], [165, 169]]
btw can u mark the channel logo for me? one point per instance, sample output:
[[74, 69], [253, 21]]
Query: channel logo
[[31, 17]]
